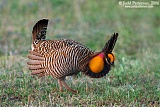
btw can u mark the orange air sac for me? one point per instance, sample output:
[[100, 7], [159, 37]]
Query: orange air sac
[[96, 64]]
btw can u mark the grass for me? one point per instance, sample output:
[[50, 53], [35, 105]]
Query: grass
[[135, 79]]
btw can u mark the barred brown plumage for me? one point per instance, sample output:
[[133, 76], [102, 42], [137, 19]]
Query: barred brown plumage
[[66, 57]]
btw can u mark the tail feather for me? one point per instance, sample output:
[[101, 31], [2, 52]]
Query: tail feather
[[39, 30], [110, 44]]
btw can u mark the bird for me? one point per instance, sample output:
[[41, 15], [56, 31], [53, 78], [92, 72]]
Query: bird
[[67, 57]]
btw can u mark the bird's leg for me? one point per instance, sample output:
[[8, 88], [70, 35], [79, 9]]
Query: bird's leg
[[67, 87], [60, 85]]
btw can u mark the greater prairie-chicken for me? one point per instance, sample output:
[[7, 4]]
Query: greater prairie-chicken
[[65, 57]]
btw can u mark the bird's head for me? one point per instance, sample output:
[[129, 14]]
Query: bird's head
[[101, 62]]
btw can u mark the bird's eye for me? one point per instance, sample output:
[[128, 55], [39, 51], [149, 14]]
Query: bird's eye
[[109, 59]]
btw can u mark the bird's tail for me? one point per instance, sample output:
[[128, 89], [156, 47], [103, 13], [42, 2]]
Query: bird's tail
[[39, 30]]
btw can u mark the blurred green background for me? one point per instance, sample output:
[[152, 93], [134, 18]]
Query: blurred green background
[[90, 22]]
